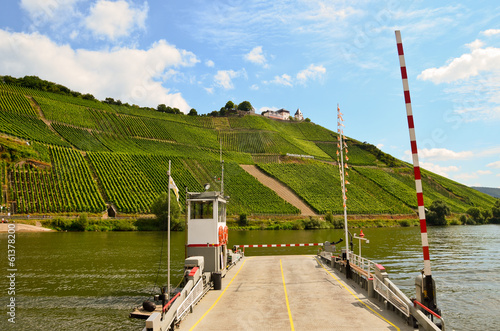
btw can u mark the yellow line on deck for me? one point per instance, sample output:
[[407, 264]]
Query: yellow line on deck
[[354, 295], [211, 307], [286, 297]]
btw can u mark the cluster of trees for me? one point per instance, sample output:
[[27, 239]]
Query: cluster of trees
[[36, 83], [477, 215], [381, 156], [232, 108], [438, 210]]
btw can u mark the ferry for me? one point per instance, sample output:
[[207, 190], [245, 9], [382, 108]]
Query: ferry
[[222, 289], [225, 290]]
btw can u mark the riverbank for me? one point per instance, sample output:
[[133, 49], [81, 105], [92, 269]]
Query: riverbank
[[94, 223], [20, 227], [242, 222]]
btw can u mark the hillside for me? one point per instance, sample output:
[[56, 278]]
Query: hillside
[[494, 192], [63, 154]]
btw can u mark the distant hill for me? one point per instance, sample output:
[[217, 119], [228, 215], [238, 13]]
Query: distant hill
[[493, 191], [70, 153]]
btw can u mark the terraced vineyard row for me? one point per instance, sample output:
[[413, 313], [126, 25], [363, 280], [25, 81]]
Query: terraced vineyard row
[[357, 156], [80, 138], [29, 128], [133, 182], [75, 179], [17, 103], [67, 113], [44, 191], [319, 185], [257, 142], [247, 194]]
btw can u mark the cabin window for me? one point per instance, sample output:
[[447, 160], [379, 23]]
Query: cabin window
[[222, 212], [202, 209]]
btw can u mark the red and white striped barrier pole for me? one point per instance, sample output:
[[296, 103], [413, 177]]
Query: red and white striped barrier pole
[[418, 178], [279, 245]]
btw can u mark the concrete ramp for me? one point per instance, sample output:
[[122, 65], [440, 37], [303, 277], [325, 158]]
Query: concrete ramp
[[281, 190], [291, 292]]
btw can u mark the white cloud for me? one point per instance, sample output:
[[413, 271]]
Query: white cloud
[[465, 66], [440, 170], [312, 72], [491, 32], [472, 175], [256, 56], [475, 44], [443, 154], [114, 19], [224, 78], [379, 146], [495, 165], [254, 87], [44, 11], [284, 80], [131, 75], [209, 63]]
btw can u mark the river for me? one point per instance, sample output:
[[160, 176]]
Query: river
[[91, 280]]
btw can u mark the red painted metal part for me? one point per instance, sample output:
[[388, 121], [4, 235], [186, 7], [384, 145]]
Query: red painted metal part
[[170, 302]]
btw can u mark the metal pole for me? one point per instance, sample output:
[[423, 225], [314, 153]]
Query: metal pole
[[429, 291], [222, 174], [168, 232], [340, 132]]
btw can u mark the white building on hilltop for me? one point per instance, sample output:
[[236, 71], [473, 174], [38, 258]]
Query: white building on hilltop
[[283, 114], [298, 115]]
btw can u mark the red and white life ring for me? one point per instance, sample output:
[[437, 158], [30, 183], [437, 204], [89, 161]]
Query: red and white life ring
[[221, 234]]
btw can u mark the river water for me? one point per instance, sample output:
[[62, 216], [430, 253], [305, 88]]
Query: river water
[[91, 280]]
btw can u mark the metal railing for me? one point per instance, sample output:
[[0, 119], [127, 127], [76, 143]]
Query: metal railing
[[390, 296], [362, 263], [190, 300]]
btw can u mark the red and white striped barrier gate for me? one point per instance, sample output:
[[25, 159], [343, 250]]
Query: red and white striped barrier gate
[[416, 168], [279, 245]]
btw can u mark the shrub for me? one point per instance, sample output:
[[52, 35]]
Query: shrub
[[438, 212], [475, 214], [243, 221], [312, 223], [147, 224], [60, 224], [123, 225], [160, 209], [81, 223], [404, 223]]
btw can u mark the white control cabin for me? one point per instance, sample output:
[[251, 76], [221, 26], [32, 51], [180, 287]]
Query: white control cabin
[[207, 233]]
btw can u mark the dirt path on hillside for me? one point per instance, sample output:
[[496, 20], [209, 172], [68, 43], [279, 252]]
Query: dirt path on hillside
[[280, 189]]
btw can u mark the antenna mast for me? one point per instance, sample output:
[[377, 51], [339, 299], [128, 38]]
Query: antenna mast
[[342, 166], [222, 174]]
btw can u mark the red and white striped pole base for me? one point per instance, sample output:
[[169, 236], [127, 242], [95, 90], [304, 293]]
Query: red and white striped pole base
[[418, 179]]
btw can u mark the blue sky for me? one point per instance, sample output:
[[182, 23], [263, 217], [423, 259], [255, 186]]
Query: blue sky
[[309, 54]]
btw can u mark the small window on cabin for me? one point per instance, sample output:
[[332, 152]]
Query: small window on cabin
[[202, 209], [222, 212]]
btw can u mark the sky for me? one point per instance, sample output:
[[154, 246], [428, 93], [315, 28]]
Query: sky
[[309, 54]]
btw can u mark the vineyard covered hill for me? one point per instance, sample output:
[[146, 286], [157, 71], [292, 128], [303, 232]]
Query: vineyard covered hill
[[64, 154]]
